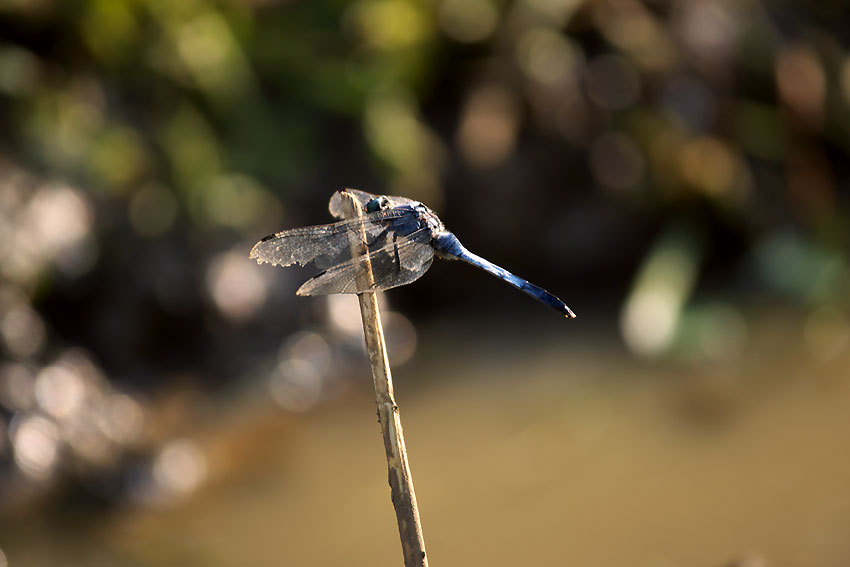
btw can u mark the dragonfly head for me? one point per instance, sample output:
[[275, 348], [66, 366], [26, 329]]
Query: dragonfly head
[[377, 204]]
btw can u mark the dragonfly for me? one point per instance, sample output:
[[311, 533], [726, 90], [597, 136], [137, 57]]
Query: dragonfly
[[396, 240]]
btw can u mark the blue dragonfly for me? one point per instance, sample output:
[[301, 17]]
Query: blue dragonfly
[[396, 238]]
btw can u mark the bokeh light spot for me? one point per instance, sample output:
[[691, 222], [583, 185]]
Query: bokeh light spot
[[709, 28], [117, 158], [633, 28], [548, 57], [557, 12], [390, 24], [214, 56], [649, 321], [488, 127], [394, 129], [653, 308], [109, 29], [19, 70], [800, 267], [295, 385], [237, 288], [307, 346], [710, 165], [123, 419], [192, 148], [801, 82], [59, 390], [180, 467], [468, 20], [400, 336], [344, 315], [237, 201], [17, 387], [35, 441], [22, 330], [60, 217]]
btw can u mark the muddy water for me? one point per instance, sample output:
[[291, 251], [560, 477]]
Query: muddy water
[[538, 453]]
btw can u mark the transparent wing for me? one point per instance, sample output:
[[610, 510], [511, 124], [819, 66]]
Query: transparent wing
[[398, 261], [324, 245], [336, 207]]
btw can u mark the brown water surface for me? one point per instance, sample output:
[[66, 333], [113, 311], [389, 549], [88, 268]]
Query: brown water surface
[[524, 453]]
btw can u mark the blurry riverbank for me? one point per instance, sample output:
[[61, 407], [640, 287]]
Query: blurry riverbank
[[559, 451]]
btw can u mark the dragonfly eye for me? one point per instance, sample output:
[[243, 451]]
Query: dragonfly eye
[[377, 204]]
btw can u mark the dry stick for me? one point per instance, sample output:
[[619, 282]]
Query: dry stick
[[401, 481]]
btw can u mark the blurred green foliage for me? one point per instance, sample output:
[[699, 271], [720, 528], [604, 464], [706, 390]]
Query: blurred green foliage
[[593, 126]]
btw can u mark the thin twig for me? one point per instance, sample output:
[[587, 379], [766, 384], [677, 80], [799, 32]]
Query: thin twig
[[401, 481]]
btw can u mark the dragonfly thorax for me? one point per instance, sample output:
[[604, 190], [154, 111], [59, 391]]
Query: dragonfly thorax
[[414, 216]]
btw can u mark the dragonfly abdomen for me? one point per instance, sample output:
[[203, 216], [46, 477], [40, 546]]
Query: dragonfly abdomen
[[449, 247]]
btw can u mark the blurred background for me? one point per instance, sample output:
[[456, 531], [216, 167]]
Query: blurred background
[[676, 170]]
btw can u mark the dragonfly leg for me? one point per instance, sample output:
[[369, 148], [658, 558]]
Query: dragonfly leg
[[395, 251], [381, 236]]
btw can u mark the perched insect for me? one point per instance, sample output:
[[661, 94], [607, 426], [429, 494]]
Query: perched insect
[[399, 237]]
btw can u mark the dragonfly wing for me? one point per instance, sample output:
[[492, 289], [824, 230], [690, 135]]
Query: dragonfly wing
[[400, 261], [336, 203], [325, 245]]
